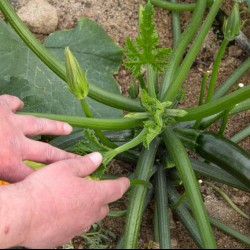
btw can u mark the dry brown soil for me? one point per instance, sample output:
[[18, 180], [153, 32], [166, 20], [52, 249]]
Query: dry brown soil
[[120, 20]]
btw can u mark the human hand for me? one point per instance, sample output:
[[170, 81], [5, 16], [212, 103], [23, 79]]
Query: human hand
[[61, 203], [15, 144]]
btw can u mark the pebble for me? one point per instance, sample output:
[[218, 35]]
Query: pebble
[[39, 16]]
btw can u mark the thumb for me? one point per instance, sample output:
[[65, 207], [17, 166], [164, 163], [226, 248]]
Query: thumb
[[84, 166]]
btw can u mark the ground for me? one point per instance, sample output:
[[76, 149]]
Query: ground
[[120, 20]]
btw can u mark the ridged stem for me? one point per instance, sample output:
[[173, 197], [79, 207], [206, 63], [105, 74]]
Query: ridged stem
[[92, 123], [187, 175], [169, 93], [216, 106], [181, 46], [143, 171]]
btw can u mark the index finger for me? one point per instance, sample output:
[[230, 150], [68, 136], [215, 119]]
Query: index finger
[[32, 126], [113, 190], [13, 102]]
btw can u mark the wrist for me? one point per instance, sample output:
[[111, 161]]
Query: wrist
[[15, 215]]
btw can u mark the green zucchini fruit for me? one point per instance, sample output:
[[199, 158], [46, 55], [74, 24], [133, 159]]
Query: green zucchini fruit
[[219, 150]]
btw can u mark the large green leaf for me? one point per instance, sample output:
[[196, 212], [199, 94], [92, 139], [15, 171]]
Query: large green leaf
[[24, 75]]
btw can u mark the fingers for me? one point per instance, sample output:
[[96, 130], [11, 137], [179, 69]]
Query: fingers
[[43, 152], [20, 173], [13, 102], [32, 126], [82, 166], [103, 212], [114, 189]]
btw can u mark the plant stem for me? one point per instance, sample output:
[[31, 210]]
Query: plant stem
[[227, 199], [104, 140], [192, 53], [177, 6], [216, 68], [151, 76], [161, 197], [184, 215], [241, 135], [202, 93], [96, 93], [232, 80], [230, 231], [240, 107], [92, 123], [108, 156], [187, 175], [203, 87], [176, 27], [138, 195], [217, 174], [224, 121], [181, 46], [142, 82], [217, 106]]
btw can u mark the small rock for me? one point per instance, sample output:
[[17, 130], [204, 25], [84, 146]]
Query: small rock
[[174, 243], [39, 16], [235, 51]]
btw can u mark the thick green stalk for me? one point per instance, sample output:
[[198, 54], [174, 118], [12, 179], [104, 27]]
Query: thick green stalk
[[176, 27], [177, 6], [187, 175], [217, 106], [216, 68], [241, 107], [151, 77], [232, 80], [161, 197], [168, 94], [92, 123], [108, 156], [143, 171], [96, 93], [181, 46]]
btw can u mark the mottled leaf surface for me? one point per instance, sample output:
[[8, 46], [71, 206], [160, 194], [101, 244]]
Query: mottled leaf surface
[[24, 75]]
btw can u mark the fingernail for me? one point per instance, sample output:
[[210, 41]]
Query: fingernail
[[67, 128], [96, 158]]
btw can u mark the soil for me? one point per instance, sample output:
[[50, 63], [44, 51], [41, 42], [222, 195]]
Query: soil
[[120, 20]]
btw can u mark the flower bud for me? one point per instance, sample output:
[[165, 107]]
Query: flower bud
[[232, 25], [76, 78]]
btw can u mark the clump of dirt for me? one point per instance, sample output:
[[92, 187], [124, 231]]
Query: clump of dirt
[[120, 20]]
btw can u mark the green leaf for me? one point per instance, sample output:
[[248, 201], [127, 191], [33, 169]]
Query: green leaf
[[24, 75], [144, 50], [89, 143], [156, 110]]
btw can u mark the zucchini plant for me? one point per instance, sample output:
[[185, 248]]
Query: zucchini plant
[[152, 131]]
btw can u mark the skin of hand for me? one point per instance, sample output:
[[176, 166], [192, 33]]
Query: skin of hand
[[54, 204], [46, 208], [16, 145]]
